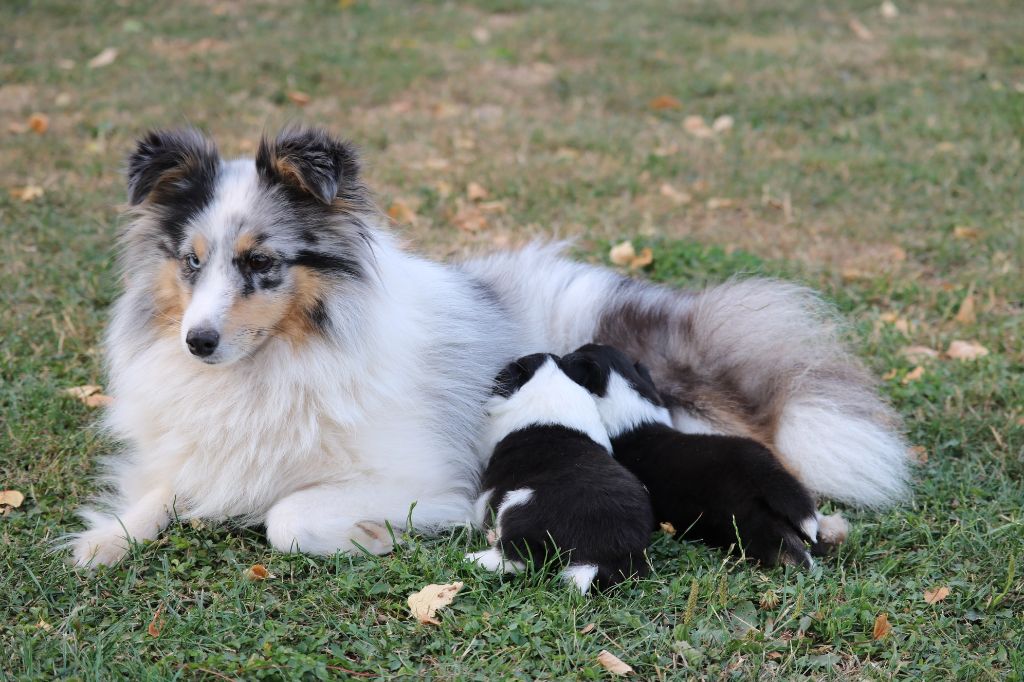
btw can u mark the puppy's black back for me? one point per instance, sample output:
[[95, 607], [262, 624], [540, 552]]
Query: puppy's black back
[[722, 490], [584, 504]]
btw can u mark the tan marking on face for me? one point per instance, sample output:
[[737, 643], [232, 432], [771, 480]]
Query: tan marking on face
[[245, 243], [279, 313], [171, 298], [200, 247]]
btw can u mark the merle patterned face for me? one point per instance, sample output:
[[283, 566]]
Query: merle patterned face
[[249, 251], [592, 366]]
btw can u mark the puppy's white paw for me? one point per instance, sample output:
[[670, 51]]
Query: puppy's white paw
[[101, 546], [372, 536], [832, 529], [493, 560]]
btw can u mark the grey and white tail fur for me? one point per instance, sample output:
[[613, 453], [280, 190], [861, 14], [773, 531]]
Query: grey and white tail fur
[[756, 357]]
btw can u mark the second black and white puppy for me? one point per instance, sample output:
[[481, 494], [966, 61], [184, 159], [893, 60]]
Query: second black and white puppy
[[722, 490], [553, 490]]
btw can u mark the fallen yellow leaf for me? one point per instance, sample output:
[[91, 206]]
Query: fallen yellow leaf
[[299, 97], [722, 124], [936, 595], [156, 624], [965, 315], [470, 218], [891, 374], [622, 253], [664, 102], [613, 663], [918, 453], [667, 528], [715, 203], [642, 259], [39, 123], [919, 353], [425, 603], [476, 192], [258, 572], [90, 394], [697, 126], [27, 193], [965, 232], [11, 498], [105, 58], [676, 196], [966, 350], [913, 375], [401, 213], [888, 10], [588, 628], [882, 626], [860, 30]]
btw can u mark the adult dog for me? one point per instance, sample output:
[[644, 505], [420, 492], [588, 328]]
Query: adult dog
[[277, 358]]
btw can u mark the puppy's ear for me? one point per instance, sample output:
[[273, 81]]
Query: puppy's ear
[[310, 161], [168, 165], [585, 371], [509, 380]]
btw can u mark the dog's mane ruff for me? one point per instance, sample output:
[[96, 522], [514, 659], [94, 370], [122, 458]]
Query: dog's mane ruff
[[404, 360]]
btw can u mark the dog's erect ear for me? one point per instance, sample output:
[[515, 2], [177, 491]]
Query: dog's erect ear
[[169, 163], [309, 160]]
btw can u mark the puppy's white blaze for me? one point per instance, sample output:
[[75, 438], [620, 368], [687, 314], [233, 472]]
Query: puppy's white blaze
[[580, 575], [549, 397], [493, 560], [513, 498], [685, 422], [623, 409], [841, 456], [809, 527], [211, 299]]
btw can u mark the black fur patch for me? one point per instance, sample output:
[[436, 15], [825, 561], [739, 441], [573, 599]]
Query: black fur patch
[[514, 375], [327, 262], [591, 366], [175, 171], [308, 161], [318, 316]]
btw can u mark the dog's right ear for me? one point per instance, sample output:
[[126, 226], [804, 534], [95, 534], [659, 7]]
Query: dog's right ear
[[585, 371], [169, 163]]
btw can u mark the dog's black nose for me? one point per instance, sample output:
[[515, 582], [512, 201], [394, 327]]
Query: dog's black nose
[[202, 342]]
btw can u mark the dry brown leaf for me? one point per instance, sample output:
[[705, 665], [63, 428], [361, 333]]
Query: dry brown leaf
[[17, 128], [105, 58], [642, 259], [860, 30], [936, 595], [157, 623], [424, 604], [919, 353], [913, 375], [43, 625], [667, 528], [966, 315], [891, 374], [444, 188], [11, 499], [964, 232], [588, 628], [665, 102], [481, 35], [90, 394], [697, 126], [918, 453], [888, 10], [723, 124], [966, 350], [258, 572], [613, 663], [299, 97], [882, 626], [27, 193], [715, 203], [492, 206], [470, 218], [622, 253], [39, 123], [677, 197], [476, 192], [402, 213]]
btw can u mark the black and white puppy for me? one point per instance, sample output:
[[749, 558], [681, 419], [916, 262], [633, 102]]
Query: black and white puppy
[[722, 490], [552, 488]]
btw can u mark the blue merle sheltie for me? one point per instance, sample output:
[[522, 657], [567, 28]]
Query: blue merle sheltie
[[726, 491], [551, 489], [276, 357]]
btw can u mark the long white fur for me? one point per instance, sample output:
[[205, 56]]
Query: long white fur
[[387, 411], [549, 397]]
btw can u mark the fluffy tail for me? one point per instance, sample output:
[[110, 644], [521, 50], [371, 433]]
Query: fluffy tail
[[763, 358]]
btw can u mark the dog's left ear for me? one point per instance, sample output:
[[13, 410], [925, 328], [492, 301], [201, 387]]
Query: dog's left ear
[[309, 160]]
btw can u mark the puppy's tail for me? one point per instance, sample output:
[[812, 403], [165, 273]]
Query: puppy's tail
[[763, 358]]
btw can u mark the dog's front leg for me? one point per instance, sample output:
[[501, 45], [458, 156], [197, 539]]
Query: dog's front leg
[[108, 537]]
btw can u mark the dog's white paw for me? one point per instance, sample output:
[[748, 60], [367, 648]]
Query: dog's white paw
[[372, 536], [102, 546]]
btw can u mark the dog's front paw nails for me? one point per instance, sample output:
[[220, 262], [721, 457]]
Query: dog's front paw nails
[[99, 547]]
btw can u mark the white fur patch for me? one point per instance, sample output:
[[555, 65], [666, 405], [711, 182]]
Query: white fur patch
[[833, 529], [493, 560], [580, 575], [548, 398], [686, 422], [513, 498], [809, 527], [623, 409]]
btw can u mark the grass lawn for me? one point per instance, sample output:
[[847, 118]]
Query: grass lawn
[[877, 158]]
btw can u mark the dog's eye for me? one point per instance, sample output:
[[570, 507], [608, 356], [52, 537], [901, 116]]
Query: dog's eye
[[191, 261], [259, 262]]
